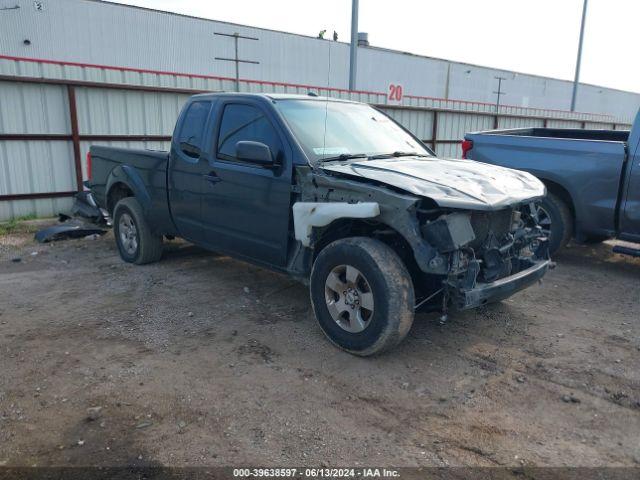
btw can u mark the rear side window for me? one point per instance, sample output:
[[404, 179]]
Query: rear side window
[[191, 134], [245, 122]]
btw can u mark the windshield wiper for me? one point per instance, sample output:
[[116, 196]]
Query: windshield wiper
[[397, 154], [343, 156]]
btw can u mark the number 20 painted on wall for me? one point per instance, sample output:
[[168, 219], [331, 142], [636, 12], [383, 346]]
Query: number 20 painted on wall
[[395, 93]]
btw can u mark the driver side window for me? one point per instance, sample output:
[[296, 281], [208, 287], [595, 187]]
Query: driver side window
[[245, 122]]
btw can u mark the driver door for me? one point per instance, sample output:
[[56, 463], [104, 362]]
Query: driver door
[[187, 165], [246, 206]]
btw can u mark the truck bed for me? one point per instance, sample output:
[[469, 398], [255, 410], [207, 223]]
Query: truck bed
[[568, 133], [147, 168]]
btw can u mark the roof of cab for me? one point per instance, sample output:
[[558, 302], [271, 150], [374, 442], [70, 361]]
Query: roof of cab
[[272, 96]]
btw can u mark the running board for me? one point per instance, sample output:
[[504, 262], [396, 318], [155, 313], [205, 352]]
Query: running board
[[634, 252]]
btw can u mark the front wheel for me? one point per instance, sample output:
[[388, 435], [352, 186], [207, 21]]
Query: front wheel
[[554, 216], [362, 295], [136, 243]]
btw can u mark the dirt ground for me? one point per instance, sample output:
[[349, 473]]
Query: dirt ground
[[204, 360]]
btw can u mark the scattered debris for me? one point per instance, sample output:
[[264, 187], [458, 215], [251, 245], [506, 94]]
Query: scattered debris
[[94, 413], [80, 443], [521, 379], [62, 232], [145, 424], [84, 206], [570, 399]]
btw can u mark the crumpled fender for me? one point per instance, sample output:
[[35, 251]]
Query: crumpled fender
[[307, 215], [395, 209]]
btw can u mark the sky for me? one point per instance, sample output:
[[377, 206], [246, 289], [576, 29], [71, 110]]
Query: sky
[[529, 36]]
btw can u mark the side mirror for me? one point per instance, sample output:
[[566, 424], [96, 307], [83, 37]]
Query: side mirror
[[254, 152], [190, 150]]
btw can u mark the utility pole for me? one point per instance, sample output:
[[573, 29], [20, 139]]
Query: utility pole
[[579, 60], [496, 119], [499, 92], [236, 36], [353, 51]]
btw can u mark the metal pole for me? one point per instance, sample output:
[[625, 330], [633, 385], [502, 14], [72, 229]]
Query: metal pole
[[499, 92], [577, 77], [353, 54], [235, 38], [75, 135], [496, 120]]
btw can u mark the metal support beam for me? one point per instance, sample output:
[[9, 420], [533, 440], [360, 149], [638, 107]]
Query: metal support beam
[[576, 79], [353, 51], [75, 135], [434, 131], [35, 196]]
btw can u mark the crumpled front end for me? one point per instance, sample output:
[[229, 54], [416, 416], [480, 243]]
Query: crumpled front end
[[464, 257], [488, 256]]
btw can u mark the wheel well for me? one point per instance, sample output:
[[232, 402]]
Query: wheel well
[[117, 192], [562, 193], [350, 227]]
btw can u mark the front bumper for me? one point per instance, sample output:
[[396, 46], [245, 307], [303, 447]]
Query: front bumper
[[483, 293]]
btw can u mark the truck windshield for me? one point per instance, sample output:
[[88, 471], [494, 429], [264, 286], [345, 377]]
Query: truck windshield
[[340, 131]]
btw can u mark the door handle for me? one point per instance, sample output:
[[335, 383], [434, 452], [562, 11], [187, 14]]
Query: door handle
[[212, 177]]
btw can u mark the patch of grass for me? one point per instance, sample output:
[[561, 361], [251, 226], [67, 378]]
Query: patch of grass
[[16, 225]]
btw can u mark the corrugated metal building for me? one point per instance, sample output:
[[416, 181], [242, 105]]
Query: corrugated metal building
[[95, 72], [111, 34]]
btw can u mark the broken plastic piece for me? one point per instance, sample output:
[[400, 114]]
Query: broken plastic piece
[[61, 232], [307, 215], [85, 206]]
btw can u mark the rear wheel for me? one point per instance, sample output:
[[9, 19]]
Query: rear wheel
[[554, 216], [362, 295], [136, 243]]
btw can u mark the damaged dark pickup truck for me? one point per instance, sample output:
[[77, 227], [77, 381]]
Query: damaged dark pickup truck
[[337, 195]]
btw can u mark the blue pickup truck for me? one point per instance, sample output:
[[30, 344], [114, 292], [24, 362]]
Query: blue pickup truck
[[592, 178], [337, 195]]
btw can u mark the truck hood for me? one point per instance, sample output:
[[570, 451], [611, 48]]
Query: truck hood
[[450, 183]]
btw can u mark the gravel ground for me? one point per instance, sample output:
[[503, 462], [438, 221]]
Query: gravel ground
[[203, 360]]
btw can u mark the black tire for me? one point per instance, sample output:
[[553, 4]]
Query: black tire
[[391, 287], [561, 222], [148, 247]]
